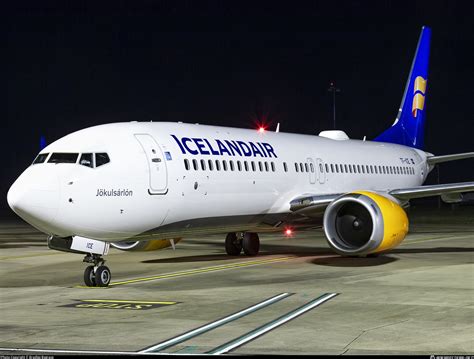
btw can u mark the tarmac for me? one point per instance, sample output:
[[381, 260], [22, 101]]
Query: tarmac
[[295, 297]]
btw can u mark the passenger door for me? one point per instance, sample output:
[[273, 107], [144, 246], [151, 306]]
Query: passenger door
[[158, 173]]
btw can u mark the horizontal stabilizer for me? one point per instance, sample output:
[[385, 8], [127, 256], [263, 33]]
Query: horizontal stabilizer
[[433, 160], [433, 190]]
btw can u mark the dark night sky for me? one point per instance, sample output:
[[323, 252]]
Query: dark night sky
[[72, 66]]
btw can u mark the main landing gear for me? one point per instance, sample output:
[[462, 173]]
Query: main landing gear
[[97, 275], [235, 242]]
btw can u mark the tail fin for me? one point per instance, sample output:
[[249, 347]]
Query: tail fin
[[408, 128]]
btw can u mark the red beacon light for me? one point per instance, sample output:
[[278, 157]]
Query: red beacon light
[[261, 129], [288, 232]]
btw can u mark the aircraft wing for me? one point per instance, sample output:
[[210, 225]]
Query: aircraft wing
[[310, 204], [432, 190]]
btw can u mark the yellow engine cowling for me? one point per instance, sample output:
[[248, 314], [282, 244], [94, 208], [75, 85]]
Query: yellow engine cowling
[[150, 245], [364, 222]]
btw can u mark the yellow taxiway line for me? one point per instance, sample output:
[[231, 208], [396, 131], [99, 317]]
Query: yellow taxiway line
[[195, 271], [124, 301]]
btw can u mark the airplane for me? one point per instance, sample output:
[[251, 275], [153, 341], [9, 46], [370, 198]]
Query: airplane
[[146, 185]]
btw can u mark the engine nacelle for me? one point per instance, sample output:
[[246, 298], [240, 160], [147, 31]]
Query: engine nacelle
[[364, 222], [150, 245]]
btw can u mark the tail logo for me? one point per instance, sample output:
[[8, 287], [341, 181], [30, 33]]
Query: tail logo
[[419, 91]]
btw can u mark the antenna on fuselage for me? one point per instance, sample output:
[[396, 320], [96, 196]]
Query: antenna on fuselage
[[278, 127]]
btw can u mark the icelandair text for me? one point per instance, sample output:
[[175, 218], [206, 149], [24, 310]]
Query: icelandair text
[[203, 146]]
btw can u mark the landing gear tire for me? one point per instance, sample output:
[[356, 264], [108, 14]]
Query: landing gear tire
[[251, 244], [89, 276], [97, 275], [102, 276], [233, 246]]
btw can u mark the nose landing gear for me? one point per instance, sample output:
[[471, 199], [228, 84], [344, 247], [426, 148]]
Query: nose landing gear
[[247, 241], [97, 275]]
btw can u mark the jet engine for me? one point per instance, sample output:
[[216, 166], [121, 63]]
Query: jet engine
[[364, 222], [150, 245]]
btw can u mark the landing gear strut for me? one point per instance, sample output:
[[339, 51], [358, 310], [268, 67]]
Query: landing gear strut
[[249, 242], [97, 275]]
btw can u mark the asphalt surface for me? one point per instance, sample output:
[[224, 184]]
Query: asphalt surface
[[418, 299]]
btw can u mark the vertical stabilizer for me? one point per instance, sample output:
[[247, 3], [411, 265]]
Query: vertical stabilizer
[[408, 128]]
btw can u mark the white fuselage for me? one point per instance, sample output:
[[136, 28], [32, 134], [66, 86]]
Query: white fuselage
[[146, 190]]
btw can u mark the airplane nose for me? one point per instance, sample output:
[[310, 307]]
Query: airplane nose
[[35, 198]]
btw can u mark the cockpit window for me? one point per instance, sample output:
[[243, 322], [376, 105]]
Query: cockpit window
[[101, 159], [86, 160], [63, 158], [41, 158]]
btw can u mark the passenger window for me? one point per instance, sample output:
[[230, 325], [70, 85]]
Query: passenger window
[[203, 165], [266, 166], [311, 167], [296, 167], [231, 163], [327, 167], [306, 167], [86, 160], [260, 166], [209, 162], [186, 164], [246, 165], [239, 166], [332, 168], [41, 158], [218, 165], [345, 168], [285, 167], [321, 168], [273, 166], [195, 165], [337, 168], [224, 165], [253, 166], [101, 159], [301, 167]]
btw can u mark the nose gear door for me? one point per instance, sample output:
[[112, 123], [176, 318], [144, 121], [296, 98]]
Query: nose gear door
[[156, 164]]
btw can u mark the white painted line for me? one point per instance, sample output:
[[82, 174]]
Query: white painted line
[[63, 351], [270, 326], [205, 328]]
